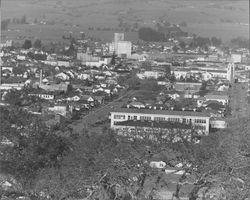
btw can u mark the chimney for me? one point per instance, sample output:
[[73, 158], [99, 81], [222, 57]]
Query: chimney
[[41, 77]]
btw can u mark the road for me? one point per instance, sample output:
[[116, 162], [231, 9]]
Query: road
[[101, 113], [238, 103]]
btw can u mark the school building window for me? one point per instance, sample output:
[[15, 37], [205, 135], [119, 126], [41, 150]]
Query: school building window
[[119, 116]]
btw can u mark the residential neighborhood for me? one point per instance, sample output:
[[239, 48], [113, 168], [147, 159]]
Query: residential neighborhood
[[159, 93]]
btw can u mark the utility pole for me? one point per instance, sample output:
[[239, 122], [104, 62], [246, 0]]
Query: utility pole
[[0, 42]]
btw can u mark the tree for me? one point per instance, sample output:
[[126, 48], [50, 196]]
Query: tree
[[133, 82], [27, 44], [13, 97], [71, 50], [175, 48], [149, 34], [33, 148], [112, 62], [23, 20], [183, 24], [216, 41], [149, 85], [226, 164], [183, 45], [240, 42], [4, 25], [37, 44]]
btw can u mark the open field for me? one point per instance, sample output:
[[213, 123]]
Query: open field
[[225, 19]]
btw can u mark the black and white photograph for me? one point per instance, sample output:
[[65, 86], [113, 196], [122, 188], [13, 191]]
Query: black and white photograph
[[124, 100]]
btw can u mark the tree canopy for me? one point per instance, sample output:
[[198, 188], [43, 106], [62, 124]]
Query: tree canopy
[[27, 44], [149, 34]]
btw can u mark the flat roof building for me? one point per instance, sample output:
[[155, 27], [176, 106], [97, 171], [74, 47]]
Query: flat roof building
[[197, 120]]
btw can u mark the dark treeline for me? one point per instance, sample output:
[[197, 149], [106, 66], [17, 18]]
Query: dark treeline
[[150, 35], [6, 22], [241, 42]]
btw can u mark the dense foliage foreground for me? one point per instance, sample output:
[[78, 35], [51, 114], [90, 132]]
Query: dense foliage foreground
[[55, 163]]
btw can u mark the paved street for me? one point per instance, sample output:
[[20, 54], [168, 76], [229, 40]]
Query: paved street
[[101, 113]]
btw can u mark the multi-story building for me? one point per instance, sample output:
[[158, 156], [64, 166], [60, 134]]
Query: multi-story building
[[117, 38], [120, 47], [124, 48], [197, 120]]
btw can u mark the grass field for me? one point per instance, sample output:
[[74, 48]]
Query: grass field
[[225, 19]]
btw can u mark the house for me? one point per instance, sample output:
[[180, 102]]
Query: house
[[10, 86], [55, 87], [63, 76], [83, 76], [50, 62], [174, 95], [21, 57], [151, 74], [218, 123], [87, 88], [89, 99], [200, 101], [190, 86], [224, 99], [99, 99], [140, 57], [136, 104], [206, 76], [43, 96], [74, 98], [59, 109], [158, 165], [62, 63]]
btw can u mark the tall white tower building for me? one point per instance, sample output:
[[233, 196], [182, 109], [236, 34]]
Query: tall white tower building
[[120, 47], [124, 49], [117, 38]]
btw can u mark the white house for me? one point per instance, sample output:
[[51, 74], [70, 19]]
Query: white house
[[62, 76], [159, 165], [136, 104], [74, 98], [59, 109], [84, 76], [224, 99], [44, 96], [21, 57], [218, 123], [174, 95], [151, 74], [61, 63]]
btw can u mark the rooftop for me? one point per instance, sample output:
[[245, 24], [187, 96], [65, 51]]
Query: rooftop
[[159, 112], [167, 125]]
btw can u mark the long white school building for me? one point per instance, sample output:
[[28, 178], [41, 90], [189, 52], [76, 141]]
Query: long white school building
[[198, 120]]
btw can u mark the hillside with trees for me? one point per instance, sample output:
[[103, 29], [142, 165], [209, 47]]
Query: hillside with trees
[[63, 165]]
